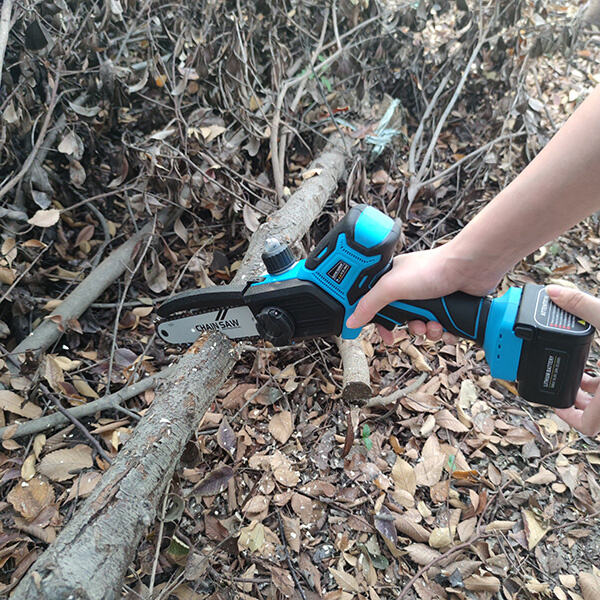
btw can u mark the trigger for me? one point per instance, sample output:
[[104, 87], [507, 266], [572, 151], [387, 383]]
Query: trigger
[[381, 320]]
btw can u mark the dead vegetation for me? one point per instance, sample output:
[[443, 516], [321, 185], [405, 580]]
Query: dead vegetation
[[142, 144]]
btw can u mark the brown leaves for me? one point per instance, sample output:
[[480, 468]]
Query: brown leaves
[[16, 404], [214, 483], [226, 437], [65, 464], [429, 470], [281, 426], [534, 530], [29, 498], [404, 476], [45, 218], [590, 585]]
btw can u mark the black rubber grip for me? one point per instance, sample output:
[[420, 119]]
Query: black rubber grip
[[459, 313]]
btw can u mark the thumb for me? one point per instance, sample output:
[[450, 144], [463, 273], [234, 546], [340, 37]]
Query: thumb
[[370, 304], [579, 303]]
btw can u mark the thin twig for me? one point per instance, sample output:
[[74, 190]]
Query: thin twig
[[391, 398], [114, 401], [40, 139], [128, 281], [161, 529], [412, 154], [16, 281], [77, 423], [288, 557]]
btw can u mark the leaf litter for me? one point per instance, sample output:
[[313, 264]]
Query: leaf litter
[[487, 494]]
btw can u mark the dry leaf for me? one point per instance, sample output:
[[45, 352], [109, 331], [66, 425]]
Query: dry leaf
[[15, 404], [30, 497], [83, 486], [440, 537], [309, 173], [83, 387], [568, 580], [345, 580], [534, 531], [429, 470], [72, 145], [282, 470], [283, 581], [280, 426], [45, 218], [409, 528], [590, 586], [226, 437], [444, 418], [404, 476], [64, 464], [211, 132], [466, 528], [543, 477], [479, 583], [257, 507], [422, 554], [291, 529], [28, 467], [417, 359], [53, 373], [250, 218], [214, 483]]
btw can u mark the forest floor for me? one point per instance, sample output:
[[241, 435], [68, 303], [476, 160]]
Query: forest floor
[[458, 490]]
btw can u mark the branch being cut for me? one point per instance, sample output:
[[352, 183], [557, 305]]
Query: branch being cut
[[89, 558], [357, 380]]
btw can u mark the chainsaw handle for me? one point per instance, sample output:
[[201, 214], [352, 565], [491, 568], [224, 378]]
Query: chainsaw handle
[[458, 313]]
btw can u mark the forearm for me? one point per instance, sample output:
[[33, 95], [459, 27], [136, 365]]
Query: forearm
[[559, 188]]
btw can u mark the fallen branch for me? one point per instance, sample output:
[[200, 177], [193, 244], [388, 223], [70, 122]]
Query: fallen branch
[[83, 410], [394, 396], [357, 381], [110, 269], [89, 558]]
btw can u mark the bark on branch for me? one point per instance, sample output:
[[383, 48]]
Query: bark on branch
[[357, 379], [89, 558]]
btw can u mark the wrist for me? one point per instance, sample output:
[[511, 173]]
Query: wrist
[[476, 269]]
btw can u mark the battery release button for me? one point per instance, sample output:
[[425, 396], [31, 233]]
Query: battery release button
[[525, 332]]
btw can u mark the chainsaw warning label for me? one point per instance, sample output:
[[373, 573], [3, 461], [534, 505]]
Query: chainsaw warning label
[[338, 271]]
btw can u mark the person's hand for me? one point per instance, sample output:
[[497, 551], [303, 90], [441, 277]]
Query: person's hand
[[420, 276], [585, 414]]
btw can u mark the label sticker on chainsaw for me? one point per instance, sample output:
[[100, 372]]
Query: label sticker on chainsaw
[[235, 323], [554, 363], [339, 271], [549, 315]]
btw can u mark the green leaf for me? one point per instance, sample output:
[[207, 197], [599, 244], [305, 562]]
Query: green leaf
[[326, 83], [366, 433]]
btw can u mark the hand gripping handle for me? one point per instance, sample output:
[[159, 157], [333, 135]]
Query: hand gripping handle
[[459, 313]]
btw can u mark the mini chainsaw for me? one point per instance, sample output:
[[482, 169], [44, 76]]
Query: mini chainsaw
[[526, 337]]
